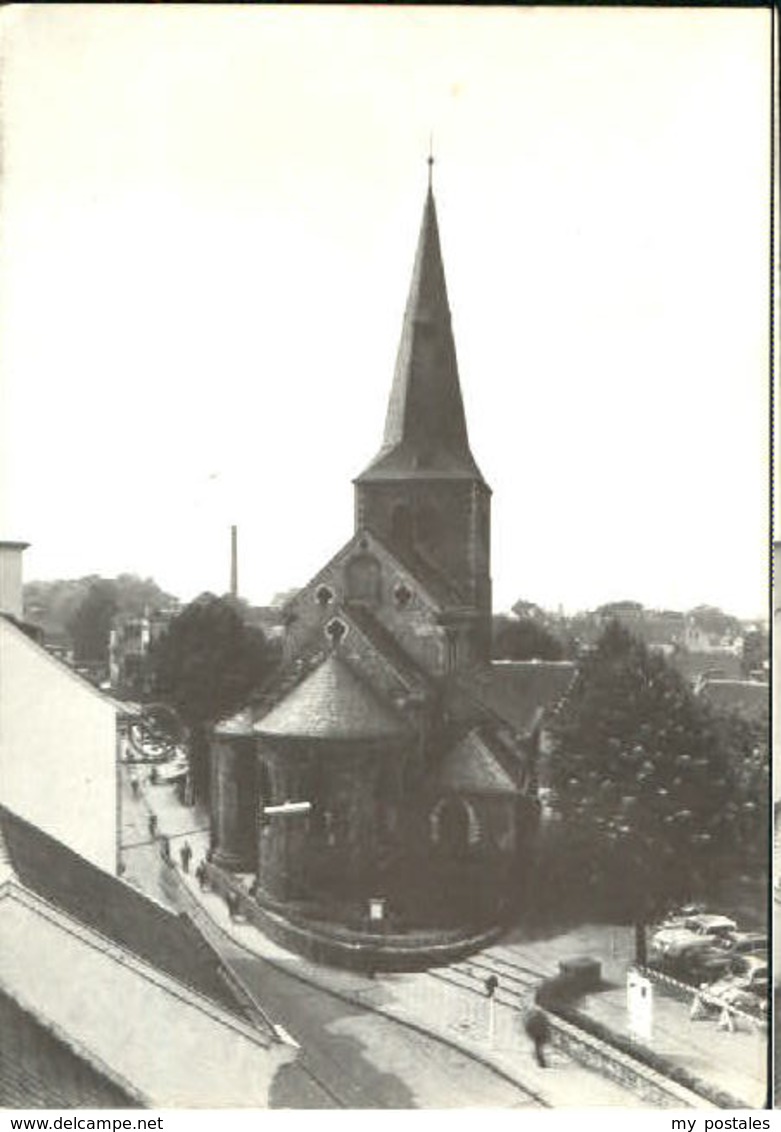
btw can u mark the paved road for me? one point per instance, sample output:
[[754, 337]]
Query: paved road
[[349, 1057]]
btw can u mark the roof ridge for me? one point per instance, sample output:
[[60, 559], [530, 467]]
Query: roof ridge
[[121, 953]]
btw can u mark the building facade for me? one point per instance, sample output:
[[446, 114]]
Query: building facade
[[381, 726], [58, 738]]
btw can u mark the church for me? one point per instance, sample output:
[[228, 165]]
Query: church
[[389, 763]]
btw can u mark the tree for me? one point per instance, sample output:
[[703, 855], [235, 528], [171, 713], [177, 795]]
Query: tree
[[641, 778], [206, 665], [54, 605], [90, 624], [710, 619], [524, 639]]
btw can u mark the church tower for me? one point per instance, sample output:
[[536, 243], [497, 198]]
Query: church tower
[[424, 495]]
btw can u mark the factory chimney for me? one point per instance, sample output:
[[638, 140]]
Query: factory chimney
[[234, 563]]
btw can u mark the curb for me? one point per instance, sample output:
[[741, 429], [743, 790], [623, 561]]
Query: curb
[[354, 1000]]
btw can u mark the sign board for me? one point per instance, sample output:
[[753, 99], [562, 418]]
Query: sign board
[[377, 909], [639, 1005], [289, 808]]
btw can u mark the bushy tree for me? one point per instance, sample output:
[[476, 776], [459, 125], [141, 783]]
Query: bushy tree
[[90, 624], [640, 775], [206, 665], [55, 605]]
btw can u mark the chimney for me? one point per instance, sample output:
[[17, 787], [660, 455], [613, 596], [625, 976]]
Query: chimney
[[11, 600], [234, 563]]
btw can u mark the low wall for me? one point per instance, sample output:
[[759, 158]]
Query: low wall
[[656, 1079], [341, 947]]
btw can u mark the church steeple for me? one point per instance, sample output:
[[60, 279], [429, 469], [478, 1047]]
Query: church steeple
[[425, 427], [423, 495]]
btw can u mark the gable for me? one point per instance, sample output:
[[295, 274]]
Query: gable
[[366, 575], [173, 1049]]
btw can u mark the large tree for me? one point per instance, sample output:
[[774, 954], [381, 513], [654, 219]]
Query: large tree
[[55, 606], [90, 624], [205, 666], [641, 779]]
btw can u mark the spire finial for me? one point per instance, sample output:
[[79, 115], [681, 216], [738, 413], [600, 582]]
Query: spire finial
[[430, 158]]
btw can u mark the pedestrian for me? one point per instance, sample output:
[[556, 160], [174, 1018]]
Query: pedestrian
[[232, 900], [185, 854], [135, 785], [537, 1027], [166, 848], [153, 825]]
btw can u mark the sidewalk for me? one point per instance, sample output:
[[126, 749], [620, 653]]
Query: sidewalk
[[735, 1063], [493, 1035]]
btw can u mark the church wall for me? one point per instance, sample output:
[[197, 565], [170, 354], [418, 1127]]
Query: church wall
[[233, 802], [328, 852]]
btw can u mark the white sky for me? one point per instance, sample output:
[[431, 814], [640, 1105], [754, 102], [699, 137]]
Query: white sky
[[209, 219]]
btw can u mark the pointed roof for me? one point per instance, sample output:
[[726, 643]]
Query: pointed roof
[[331, 703], [425, 427], [471, 767]]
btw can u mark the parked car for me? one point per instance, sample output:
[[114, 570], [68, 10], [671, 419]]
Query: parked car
[[744, 987], [744, 943], [707, 923]]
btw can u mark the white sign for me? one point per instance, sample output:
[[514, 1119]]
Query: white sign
[[640, 1005], [289, 808], [377, 909]]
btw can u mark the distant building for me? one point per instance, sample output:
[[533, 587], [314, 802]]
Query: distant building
[[58, 737], [107, 1000], [131, 640], [415, 753]]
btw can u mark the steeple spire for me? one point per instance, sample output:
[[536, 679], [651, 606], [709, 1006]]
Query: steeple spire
[[425, 427]]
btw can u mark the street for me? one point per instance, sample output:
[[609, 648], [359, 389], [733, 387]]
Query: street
[[349, 1057]]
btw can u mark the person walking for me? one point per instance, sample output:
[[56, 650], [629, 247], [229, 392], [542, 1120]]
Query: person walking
[[537, 1027], [185, 855], [153, 825]]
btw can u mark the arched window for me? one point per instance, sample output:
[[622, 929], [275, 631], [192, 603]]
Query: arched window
[[454, 826], [363, 576]]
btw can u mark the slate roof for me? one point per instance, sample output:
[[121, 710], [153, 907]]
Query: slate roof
[[471, 767], [425, 428], [112, 908], [386, 644], [332, 703], [747, 698], [519, 691]]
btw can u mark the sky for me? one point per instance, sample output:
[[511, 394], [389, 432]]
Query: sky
[[209, 216]]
